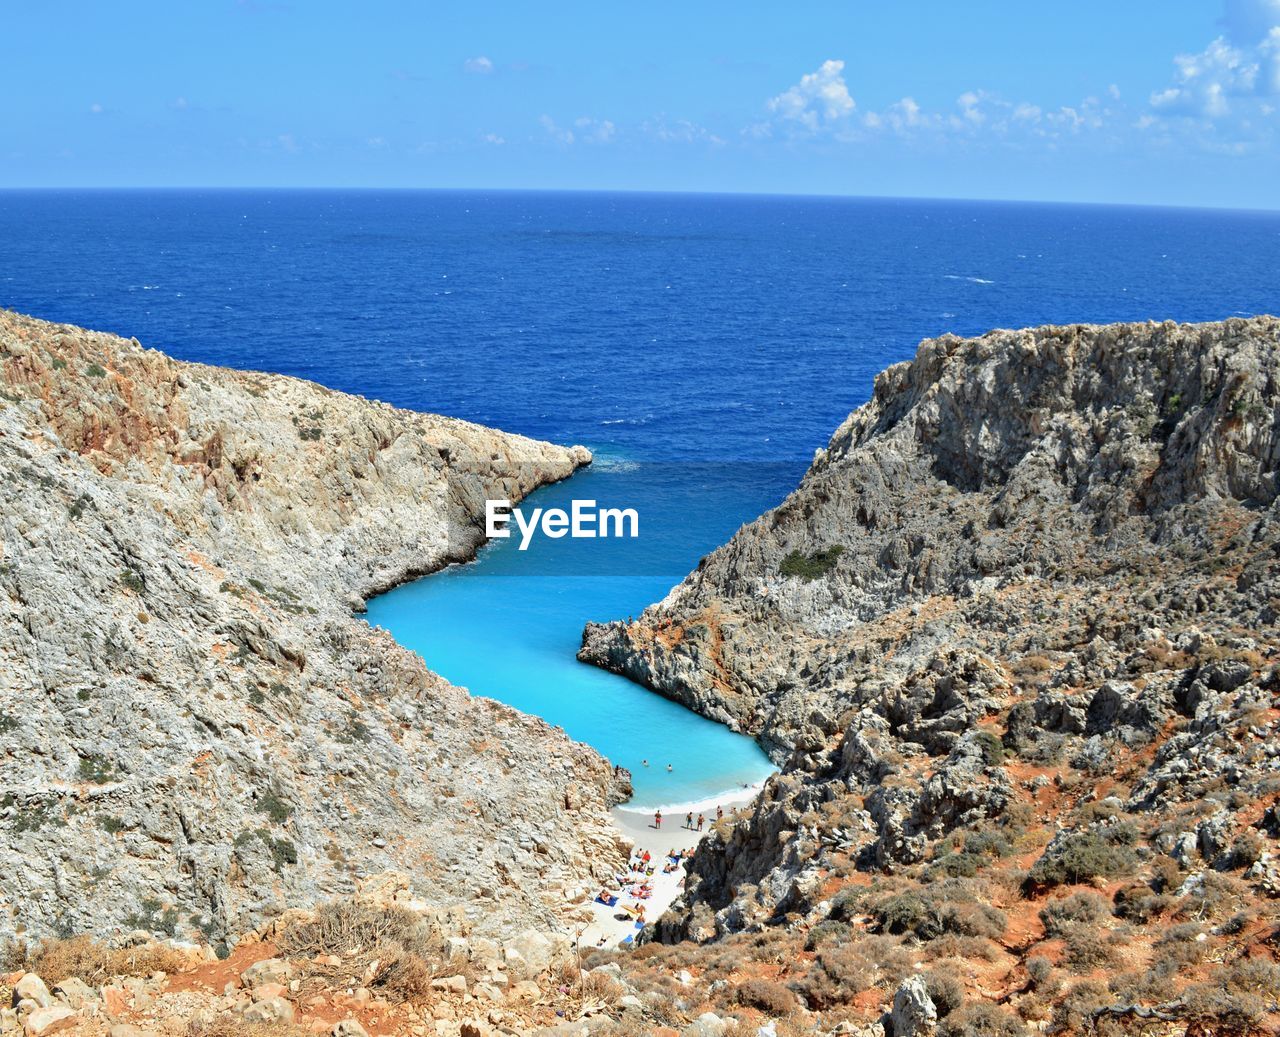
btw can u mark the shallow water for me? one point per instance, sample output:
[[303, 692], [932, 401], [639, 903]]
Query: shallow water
[[509, 624], [703, 346]]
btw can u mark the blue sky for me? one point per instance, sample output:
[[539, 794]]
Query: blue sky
[[1158, 101]]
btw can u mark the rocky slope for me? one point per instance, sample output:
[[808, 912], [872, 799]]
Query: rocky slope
[[1013, 636], [194, 730]]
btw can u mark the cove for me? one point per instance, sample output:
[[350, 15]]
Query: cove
[[508, 625]]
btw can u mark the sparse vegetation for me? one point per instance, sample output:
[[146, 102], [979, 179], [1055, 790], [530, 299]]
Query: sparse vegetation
[[812, 566], [91, 961]]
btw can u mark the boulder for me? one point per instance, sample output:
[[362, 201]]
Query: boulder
[[914, 1013], [31, 988], [75, 993], [269, 1010], [269, 970], [48, 1020]]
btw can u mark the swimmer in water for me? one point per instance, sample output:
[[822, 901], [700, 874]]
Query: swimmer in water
[[670, 768]]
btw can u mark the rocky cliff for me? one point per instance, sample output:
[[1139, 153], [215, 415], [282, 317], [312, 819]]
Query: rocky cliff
[[194, 729], [1014, 635]]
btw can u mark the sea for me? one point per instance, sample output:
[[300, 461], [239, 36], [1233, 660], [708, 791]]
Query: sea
[[702, 346]]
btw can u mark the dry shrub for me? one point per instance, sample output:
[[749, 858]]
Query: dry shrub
[[229, 1026], [602, 986], [981, 1020], [1058, 916], [845, 970], [1085, 947], [1222, 1013], [1137, 903], [977, 948], [766, 995], [946, 990], [1181, 947], [362, 934], [1216, 897], [349, 928], [95, 963], [1074, 1014]]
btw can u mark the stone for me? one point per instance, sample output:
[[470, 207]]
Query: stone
[[914, 1013], [452, 984], [708, 1024], [32, 988], [74, 992], [48, 1020], [271, 1010], [349, 1028], [269, 970], [533, 951]]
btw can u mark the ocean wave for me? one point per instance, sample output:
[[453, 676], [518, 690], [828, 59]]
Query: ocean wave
[[697, 806], [971, 280]]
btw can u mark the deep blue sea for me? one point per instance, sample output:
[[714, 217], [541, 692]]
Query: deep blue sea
[[702, 346]]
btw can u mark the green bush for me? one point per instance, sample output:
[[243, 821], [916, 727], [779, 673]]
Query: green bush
[[95, 769], [95, 371], [826, 931], [813, 566], [1083, 856], [274, 807], [132, 580]]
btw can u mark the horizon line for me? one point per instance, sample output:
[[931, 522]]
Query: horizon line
[[646, 192]]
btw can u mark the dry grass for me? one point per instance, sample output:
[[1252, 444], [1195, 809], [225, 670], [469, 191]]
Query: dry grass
[[86, 959]]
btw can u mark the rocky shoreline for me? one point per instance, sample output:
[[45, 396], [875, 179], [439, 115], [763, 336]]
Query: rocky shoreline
[[1015, 639]]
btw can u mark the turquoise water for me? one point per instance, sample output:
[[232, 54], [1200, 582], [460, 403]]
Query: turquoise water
[[509, 624]]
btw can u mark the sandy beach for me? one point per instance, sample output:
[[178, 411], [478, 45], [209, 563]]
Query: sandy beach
[[610, 926]]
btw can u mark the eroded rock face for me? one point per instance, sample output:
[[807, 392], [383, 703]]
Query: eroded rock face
[[195, 731], [1058, 543]]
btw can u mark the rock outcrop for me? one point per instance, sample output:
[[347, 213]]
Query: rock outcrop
[[195, 731], [1016, 628]]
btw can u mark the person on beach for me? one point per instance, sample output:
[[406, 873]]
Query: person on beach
[[701, 821], [688, 819], [657, 819], [719, 813]]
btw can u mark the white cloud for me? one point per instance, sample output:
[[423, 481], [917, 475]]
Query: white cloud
[[557, 133], [96, 108], [819, 100], [585, 130], [600, 131], [493, 138], [1232, 78], [1206, 80], [480, 66]]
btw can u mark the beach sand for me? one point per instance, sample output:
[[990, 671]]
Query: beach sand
[[608, 927]]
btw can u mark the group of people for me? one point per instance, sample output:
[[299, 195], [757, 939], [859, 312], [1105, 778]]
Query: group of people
[[637, 883], [688, 819]]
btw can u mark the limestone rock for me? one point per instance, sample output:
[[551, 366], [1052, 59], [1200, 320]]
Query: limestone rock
[[32, 988], [914, 1013], [203, 734], [48, 1020]]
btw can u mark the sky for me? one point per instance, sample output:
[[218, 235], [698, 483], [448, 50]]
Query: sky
[[1139, 101]]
